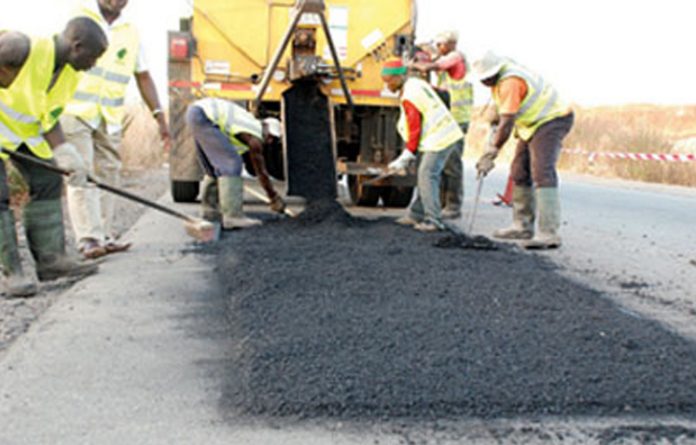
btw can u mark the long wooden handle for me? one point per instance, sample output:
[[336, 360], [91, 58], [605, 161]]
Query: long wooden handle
[[101, 185]]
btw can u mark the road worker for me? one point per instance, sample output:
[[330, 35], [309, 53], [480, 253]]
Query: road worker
[[531, 107], [428, 128], [223, 131], [93, 122], [37, 78], [451, 68]]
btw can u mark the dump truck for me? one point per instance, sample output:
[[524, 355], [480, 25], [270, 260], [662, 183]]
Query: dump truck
[[264, 54]]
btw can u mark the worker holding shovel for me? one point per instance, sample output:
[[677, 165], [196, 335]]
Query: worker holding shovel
[[223, 131], [37, 78], [429, 128], [531, 107]]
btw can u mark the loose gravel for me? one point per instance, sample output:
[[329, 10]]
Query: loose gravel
[[342, 318]]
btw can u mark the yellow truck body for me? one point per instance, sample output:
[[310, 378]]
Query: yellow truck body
[[237, 39], [224, 48]]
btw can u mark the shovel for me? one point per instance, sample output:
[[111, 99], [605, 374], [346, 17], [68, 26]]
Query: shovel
[[199, 229]]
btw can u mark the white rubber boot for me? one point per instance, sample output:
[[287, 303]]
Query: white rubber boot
[[549, 217]]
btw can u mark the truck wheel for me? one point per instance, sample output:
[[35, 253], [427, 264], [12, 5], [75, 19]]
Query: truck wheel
[[185, 191], [399, 197], [362, 195]]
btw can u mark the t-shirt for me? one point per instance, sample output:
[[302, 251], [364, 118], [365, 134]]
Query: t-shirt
[[511, 92], [454, 64]]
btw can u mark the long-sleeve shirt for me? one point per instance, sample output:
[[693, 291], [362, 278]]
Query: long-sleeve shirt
[[414, 121]]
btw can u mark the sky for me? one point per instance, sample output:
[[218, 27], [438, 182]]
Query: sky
[[596, 52]]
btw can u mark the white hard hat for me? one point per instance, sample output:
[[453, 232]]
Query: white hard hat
[[273, 126], [488, 66], [447, 36]]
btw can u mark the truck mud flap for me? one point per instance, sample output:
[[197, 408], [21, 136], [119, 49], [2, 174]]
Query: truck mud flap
[[310, 155]]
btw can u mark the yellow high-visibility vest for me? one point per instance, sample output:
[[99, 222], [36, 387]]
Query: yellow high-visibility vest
[[439, 129], [231, 119], [541, 105], [102, 90], [461, 96], [24, 106]]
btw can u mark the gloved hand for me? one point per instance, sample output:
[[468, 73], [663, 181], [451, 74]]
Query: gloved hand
[[68, 158], [486, 162], [277, 204], [402, 161]]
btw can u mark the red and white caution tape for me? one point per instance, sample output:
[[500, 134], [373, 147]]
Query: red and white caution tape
[[663, 157]]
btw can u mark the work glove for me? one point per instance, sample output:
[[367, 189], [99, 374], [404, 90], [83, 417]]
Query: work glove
[[402, 161], [68, 158], [486, 162], [277, 204]]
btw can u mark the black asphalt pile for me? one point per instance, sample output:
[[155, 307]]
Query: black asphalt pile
[[462, 241], [367, 321]]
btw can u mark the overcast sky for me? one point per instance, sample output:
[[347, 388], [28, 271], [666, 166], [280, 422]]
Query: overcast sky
[[596, 52]]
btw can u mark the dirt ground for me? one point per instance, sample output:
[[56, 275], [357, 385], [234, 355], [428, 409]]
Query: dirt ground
[[16, 315]]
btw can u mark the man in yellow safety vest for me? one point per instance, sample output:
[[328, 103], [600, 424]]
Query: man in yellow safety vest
[[37, 78], [94, 122], [531, 107], [428, 128], [452, 71], [223, 131]]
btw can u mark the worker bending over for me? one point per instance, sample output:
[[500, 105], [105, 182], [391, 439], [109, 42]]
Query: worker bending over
[[531, 107], [451, 68], [428, 127], [37, 78], [93, 121], [223, 131]]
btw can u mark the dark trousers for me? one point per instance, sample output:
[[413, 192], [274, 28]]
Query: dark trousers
[[535, 160], [217, 155], [43, 184]]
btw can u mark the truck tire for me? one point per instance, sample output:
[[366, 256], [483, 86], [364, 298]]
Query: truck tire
[[185, 191], [362, 195], [399, 197]]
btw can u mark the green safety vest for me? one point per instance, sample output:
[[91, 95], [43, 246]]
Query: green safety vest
[[439, 128], [27, 108], [231, 119], [102, 90], [541, 105]]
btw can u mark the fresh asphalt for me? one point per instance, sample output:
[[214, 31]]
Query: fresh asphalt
[[122, 357]]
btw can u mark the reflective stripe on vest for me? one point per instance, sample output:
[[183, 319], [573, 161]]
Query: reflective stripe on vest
[[24, 103], [439, 129], [541, 105], [461, 99], [102, 90], [232, 120]]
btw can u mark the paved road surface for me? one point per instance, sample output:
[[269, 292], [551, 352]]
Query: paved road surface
[[118, 359]]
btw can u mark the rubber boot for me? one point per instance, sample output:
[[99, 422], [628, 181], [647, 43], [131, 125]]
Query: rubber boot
[[43, 221], [522, 227], [210, 203], [18, 284], [452, 197], [231, 194], [549, 220]]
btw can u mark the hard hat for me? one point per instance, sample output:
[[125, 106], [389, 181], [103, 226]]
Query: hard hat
[[273, 127], [488, 66], [447, 36]]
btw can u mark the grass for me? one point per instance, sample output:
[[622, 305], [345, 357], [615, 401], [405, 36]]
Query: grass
[[625, 129]]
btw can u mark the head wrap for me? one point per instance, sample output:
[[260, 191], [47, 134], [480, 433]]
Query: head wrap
[[394, 67]]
